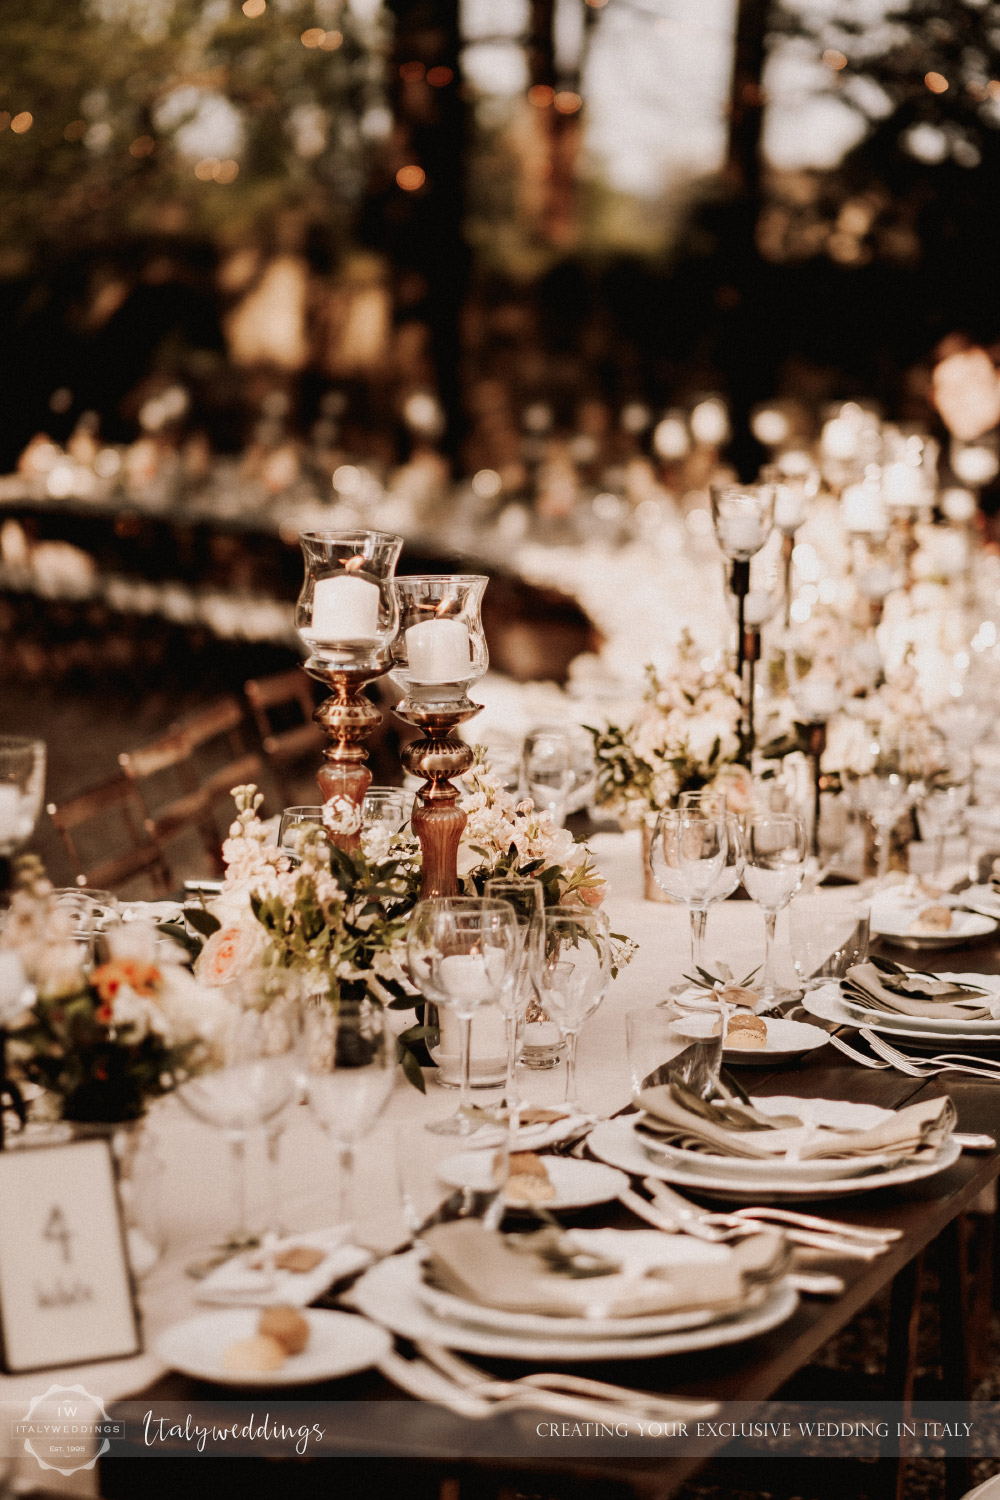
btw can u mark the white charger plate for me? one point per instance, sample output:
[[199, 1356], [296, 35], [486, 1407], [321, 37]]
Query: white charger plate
[[830, 1004], [615, 1142], [578, 1184], [785, 1040], [339, 1344], [893, 923], [389, 1294]]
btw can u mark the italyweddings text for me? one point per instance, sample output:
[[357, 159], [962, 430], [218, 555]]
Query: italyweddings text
[[265, 1430]]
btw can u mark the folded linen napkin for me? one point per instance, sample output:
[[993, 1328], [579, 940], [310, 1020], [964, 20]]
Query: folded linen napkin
[[921, 995], [677, 1117], [247, 1281], [648, 1272]]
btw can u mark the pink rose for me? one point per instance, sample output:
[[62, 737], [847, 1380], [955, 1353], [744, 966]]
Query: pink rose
[[592, 895], [229, 953]]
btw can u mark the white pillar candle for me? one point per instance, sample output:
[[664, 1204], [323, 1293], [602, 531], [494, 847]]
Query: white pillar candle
[[439, 651], [742, 533], [11, 816], [817, 698], [862, 509], [902, 485], [345, 608], [465, 978], [756, 609], [789, 508]]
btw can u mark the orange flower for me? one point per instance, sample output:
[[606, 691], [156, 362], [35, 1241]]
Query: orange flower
[[142, 979]]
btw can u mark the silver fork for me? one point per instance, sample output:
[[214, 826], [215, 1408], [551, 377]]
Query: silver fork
[[812, 1233], [569, 1387], [922, 1067]]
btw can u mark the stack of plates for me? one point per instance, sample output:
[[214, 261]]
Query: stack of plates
[[396, 1294], [830, 1004], [741, 1179], [893, 921]]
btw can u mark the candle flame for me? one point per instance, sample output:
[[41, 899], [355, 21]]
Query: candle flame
[[354, 564], [443, 607]]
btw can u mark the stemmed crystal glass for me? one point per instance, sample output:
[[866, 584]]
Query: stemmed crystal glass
[[941, 810], [526, 897], [775, 850], [549, 771], [885, 795], [348, 1067], [251, 1078], [461, 951], [687, 856], [572, 970]]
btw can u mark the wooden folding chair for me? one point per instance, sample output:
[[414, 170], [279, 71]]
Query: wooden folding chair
[[282, 707], [106, 816], [216, 739], [166, 784]]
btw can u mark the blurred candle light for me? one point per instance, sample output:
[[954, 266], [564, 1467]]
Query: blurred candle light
[[710, 422], [670, 437]]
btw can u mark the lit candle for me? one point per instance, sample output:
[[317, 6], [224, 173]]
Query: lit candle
[[439, 651], [958, 505], [975, 465], [710, 423], [817, 698], [902, 485], [839, 439], [770, 426], [862, 509], [789, 508], [742, 534], [466, 980], [11, 813], [345, 608], [756, 609]]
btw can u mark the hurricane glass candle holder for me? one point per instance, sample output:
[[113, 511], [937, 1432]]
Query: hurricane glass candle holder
[[347, 615], [743, 516], [439, 652]]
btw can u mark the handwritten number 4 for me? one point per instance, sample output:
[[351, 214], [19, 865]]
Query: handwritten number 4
[[57, 1229]]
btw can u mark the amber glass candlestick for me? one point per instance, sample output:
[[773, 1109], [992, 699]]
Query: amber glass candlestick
[[348, 718], [437, 819]]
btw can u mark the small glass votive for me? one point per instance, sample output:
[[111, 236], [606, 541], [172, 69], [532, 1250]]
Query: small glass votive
[[89, 911], [292, 820], [440, 650]]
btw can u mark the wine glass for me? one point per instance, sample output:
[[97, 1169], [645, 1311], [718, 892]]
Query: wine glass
[[388, 805], [348, 1068], [22, 785], [572, 969], [461, 950], [884, 795], [548, 762], [527, 900], [941, 810], [774, 863], [251, 1077], [687, 856], [293, 820]]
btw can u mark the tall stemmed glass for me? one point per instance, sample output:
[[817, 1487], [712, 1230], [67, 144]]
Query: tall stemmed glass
[[526, 897], [687, 855], [461, 950], [251, 1078], [775, 849], [885, 795], [941, 810], [348, 1066], [572, 974]]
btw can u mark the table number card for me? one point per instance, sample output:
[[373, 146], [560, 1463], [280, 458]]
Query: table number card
[[65, 1290]]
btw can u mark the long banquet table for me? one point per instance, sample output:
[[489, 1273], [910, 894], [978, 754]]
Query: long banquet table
[[433, 1441]]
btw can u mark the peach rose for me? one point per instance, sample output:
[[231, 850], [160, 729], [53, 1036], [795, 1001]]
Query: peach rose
[[229, 953]]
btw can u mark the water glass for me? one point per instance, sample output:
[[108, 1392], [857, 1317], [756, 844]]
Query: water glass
[[572, 971], [388, 805], [348, 1064], [663, 1046], [461, 951], [441, 1179], [688, 857], [548, 771], [775, 849], [829, 934], [293, 819], [527, 899]]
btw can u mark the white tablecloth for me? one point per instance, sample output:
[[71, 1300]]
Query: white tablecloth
[[197, 1195]]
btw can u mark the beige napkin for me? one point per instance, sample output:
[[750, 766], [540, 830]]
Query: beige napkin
[[915, 995], [678, 1118], [655, 1273]]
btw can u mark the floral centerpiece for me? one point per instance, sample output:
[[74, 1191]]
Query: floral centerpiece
[[104, 1041], [340, 919], [685, 737]]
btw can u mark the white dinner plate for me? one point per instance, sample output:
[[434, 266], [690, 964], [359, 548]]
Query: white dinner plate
[[785, 1040], [615, 1142], [781, 1170], [455, 1309], [389, 1294], [981, 898], [339, 1344], [829, 1003], [893, 924], [578, 1184]]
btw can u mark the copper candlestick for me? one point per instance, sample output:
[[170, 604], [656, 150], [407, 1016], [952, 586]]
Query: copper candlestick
[[812, 734], [348, 718], [437, 819]]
